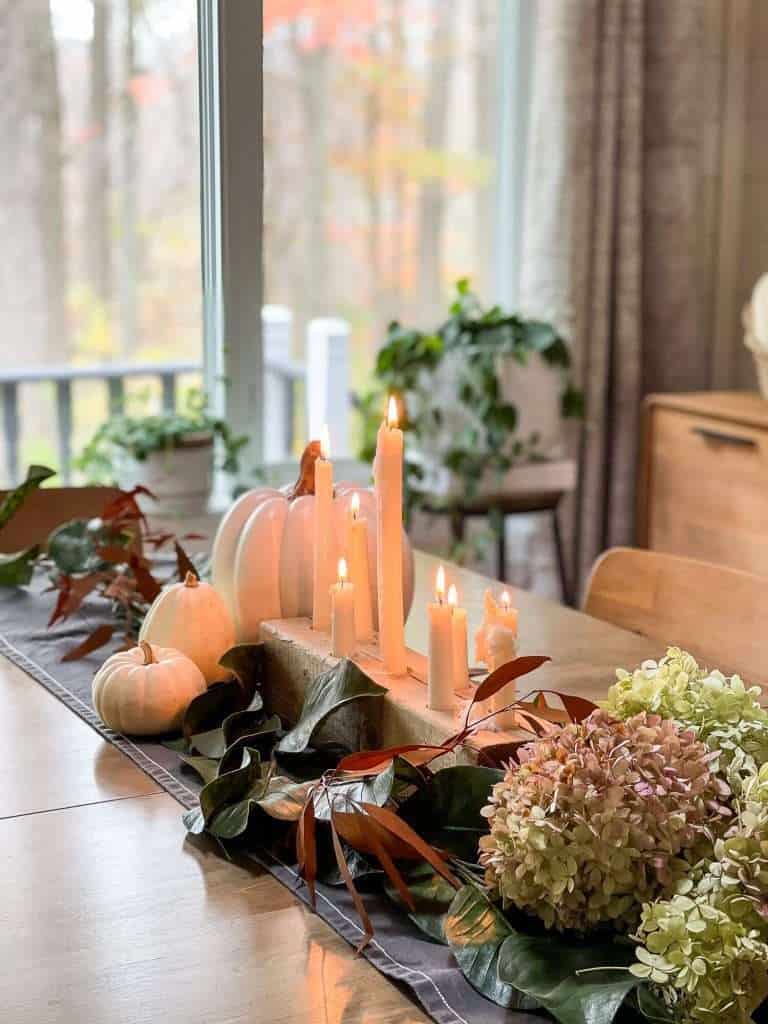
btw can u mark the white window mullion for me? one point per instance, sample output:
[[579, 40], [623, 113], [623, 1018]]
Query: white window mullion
[[230, 34]]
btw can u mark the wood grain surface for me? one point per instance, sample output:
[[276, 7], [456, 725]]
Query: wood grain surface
[[111, 916]]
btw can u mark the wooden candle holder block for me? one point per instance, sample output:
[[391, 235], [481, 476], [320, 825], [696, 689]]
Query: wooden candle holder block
[[295, 654]]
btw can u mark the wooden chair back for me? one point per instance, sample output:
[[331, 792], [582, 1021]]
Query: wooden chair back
[[48, 508], [712, 611]]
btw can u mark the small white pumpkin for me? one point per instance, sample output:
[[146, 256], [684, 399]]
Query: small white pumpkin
[[146, 690], [262, 555], [194, 619]]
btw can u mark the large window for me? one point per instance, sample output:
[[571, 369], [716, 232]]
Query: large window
[[381, 138], [99, 208], [389, 149]]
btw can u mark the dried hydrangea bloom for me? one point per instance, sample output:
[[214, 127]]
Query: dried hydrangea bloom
[[725, 713], [597, 818]]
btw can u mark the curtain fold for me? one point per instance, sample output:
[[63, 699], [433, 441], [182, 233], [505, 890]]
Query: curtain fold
[[609, 251]]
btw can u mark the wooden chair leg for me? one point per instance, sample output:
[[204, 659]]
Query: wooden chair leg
[[565, 589]]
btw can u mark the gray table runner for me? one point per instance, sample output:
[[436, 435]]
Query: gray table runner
[[398, 949]]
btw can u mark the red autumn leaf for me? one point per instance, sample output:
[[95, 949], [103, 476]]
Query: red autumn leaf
[[534, 724], [371, 761], [498, 755], [577, 708], [306, 846], [507, 673], [158, 540], [356, 899], [72, 593], [194, 536], [361, 833], [114, 553], [100, 636], [146, 584], [184, 563], [378, 842], [124, 506], [403, 831]]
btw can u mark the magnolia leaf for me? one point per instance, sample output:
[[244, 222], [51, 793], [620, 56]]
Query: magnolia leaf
[[231, 787], [209, 709], [446, 811], [284, 798], [559, 975], [17, 569], [260, 738], [324, 696], [210, 744], [12, 502], [98, 638], [475, 929], [342, 796], [206, 767], [246, 663], [194, 821], [431, 896], [653, 1008]]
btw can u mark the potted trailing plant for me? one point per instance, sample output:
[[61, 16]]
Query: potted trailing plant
[[483, 393], [171, 454]]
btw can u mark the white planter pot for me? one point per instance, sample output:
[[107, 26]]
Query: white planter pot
[[180, 478]]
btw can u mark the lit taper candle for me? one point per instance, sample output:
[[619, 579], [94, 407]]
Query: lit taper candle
[[440, 665], [388, 474], [343, 638], [358, 571], [458, 640], [322, 577]]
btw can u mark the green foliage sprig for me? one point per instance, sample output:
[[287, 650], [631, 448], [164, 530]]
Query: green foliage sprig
[[141, 436], [407, 365]]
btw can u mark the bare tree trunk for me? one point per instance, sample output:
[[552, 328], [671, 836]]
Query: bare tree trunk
[[432, 203], [33, 266], [372, 115], [129, 268], [313, 78], [97, 208], [485, 121]]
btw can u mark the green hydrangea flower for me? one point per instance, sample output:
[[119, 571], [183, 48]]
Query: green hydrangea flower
[[598, 818], [725, 713], [705, 950]]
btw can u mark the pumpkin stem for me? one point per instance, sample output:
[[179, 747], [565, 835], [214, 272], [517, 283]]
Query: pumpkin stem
[[149, 658], [190, 580], [306, 481]]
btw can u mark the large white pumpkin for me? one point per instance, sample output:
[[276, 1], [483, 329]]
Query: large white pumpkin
[[146, 690], [194, 619], [263, 551]]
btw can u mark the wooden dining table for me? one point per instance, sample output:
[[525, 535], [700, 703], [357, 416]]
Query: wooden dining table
[[111, 915]]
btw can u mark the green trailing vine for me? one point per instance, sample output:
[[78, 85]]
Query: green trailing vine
[[141, 436], [490, 442]]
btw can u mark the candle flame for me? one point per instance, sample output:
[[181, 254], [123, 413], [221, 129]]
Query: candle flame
[[440, 584], [453, 595], [392, 412], [506, 600], [325, 443], [342, 571], [355, 505]]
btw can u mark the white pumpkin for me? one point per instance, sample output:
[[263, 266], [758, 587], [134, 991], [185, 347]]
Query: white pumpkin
[[194, 619], [146, 690], [263, 551]]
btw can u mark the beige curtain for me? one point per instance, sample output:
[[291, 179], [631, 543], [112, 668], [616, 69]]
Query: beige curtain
[[610, 230]]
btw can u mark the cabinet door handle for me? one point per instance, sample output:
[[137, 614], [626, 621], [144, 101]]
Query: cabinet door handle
[[721, 437]]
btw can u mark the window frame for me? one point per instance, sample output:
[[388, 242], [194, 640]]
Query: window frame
[[231, 195]]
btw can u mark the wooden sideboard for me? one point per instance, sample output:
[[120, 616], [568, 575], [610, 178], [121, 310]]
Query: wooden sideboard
[[703, 489]]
